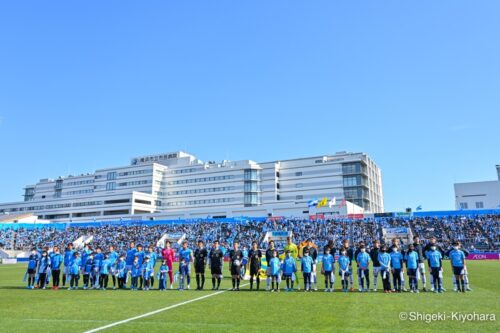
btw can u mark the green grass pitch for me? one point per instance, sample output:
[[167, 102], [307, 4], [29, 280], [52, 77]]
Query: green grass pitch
[[23, 310]]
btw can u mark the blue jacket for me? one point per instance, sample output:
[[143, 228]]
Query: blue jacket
[[44, 265], [289, 266], [396, 260], [275, 266], [344, 262], [328, 263], [306, 264], [411, 259], [385, 260], [120, 266], [33, 261], [56, 260], [74, 266]]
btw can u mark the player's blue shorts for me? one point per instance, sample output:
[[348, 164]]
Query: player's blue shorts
[[185, 269]]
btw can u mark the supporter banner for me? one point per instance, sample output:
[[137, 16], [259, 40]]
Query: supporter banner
[[29, 226], [484, 256], [9, 261], [277, 235], [317, 217], [383, 215], [356, 216], [471, 212], [399, 230], [402, 214]]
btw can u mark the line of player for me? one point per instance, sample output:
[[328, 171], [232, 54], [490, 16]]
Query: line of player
[[136, 268]]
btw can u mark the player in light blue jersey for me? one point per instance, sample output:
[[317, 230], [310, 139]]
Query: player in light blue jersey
[[33, 261], [307, 267], [98, 258], [363, 260], [457, 258], [120, 269], [397, 268], [344, 269], [275, 267], [328, 270], [135, 273], [129, 258], [185, 259], [140, 256], [147, 271], [384, 259], [43, 270], [113, 257], [56, 260], [412, 260], [289, 269], [104, 271], [435, 262], [75, 266], [88, 271], [153, 257], [162, 276], [68, 255]]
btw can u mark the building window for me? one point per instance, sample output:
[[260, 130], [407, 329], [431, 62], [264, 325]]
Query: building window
[[298, 174], [111, 176], [299, 185], [110, 186], [464, 205], [299, 197], [252, 174], [479, 205], [350, 168], [251, 187], [251, 199], [357, 180]]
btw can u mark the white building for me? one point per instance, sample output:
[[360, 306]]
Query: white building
[[478, 195], [178, 185]]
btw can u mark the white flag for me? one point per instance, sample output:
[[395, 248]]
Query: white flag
[[332, 202]]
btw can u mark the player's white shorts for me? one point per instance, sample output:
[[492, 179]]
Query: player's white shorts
[[268, 271], [420, 270], [376, 270], [66, 270]]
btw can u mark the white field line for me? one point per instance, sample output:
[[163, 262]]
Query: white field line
[[157, 311]]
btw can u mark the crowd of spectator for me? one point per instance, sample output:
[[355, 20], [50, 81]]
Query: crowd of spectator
[[480, 233]]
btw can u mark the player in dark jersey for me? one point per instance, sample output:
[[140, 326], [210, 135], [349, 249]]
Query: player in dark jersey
[[235, 258], [216, 264], [200, 262], [254, 257], [421, 261], [376, 263]]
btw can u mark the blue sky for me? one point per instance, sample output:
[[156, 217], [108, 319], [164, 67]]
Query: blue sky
[[416, 85]]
